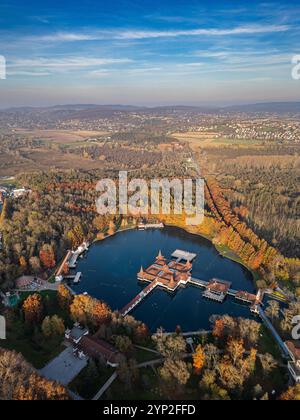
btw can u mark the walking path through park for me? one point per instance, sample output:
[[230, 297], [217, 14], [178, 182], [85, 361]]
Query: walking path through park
[[274, 333], [105, 386], [114, 376]]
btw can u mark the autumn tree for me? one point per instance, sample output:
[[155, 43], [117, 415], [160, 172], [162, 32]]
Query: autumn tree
[[175, 369], [35, 264], [23, 263], [230, 375], [101, 223], [101, 313], [273, 310], [111, 228], [212, 356], [64, 297], [33, 309], [47, 256], [248, 330], [87, 310], [199, 359], [292, 394], [218, 331], [19, 381], [236, 350], [76, 235], [5, 213], [123, 343], [268, 363], [141, 332], [170, 346], [53, 327]]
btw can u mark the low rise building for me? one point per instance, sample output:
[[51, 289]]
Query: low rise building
[[75, 335], [294, 366], [100, 350]]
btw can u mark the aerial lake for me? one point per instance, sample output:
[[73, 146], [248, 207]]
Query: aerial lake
[[109, 273]]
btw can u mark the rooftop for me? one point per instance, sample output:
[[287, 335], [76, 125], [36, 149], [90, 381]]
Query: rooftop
[[219, 286], [184, 255], [95, 347], [77, 332]]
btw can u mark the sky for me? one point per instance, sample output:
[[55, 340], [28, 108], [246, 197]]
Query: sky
[[148, 52]]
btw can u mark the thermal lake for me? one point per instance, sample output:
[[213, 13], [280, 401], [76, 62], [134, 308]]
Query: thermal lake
[[109, 273]]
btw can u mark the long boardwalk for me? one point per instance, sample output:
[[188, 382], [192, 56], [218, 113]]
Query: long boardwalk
[[239, 295], [63, 264], [132, 304]]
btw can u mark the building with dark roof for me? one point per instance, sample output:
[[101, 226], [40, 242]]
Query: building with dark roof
[[100, 350]]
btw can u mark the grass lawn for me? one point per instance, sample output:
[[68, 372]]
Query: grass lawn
[[30, 342], [267, 344], [22, 341], [142, 356], [237, 142], [51, 306], [145, 389]]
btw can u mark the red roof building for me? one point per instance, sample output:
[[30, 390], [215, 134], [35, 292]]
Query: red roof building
[[100, 350]]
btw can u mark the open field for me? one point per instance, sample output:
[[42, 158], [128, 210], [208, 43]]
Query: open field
[[60, 136], [41, 160], [210, 139]]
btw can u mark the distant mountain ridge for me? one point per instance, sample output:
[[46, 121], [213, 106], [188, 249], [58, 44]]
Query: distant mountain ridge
[[91, 110], [280, 107]]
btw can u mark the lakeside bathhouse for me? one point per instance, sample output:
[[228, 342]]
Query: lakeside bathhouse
[[177, 272], [70, 262]]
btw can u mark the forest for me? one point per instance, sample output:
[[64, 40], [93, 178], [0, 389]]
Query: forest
[[237, 360]]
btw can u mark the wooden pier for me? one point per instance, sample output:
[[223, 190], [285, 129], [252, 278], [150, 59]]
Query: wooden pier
[[76, 277], [76, 254], [138, 299]]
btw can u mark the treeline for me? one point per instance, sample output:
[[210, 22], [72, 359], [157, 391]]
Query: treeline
[[235, 233], [271, 195], [19, 381], [142, 137], [122, 157], [39, 228]]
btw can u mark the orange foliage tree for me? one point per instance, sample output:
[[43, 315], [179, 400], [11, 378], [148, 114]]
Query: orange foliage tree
[[64, 296], [87, 310], [47, 256], [33, 309], [218, 330], [199, 359]]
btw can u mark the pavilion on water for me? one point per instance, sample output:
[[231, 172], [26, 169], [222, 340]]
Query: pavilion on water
[[167, 273]]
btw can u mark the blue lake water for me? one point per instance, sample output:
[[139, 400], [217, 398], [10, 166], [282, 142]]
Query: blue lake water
[[110, 274]]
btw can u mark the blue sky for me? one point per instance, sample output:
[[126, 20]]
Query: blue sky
[[148, 52]]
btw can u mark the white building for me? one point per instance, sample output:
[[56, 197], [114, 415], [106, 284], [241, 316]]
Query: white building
[[76, 333], [20, 192]]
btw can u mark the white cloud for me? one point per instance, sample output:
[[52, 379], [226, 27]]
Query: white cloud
[[64, 37], [28, 73], [251, 29], [145, 34], [66, 63], [96, 74]]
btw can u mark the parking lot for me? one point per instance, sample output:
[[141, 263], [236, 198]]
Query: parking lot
[[64, 368]]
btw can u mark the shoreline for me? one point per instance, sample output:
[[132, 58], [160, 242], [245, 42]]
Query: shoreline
[[222, 253], [235, 258]]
